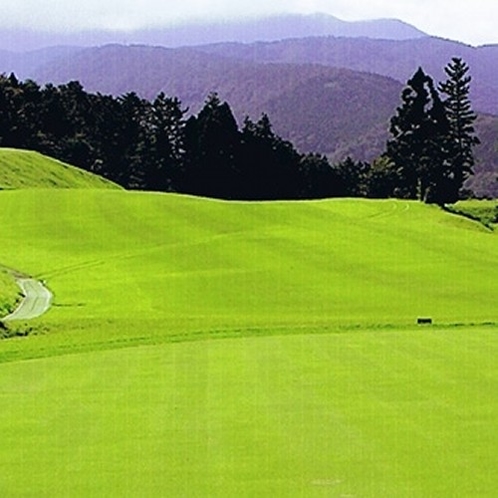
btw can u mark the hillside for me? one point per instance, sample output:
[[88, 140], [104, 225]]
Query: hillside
[[297, 82], [21, 169], [25, 64], [295, 251], [9, 294], [395, 59], [312, 105], [309, 104], [485, 180], [226, 349]]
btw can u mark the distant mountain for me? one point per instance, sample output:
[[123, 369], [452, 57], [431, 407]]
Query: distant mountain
[[396, 59], [25, 64], [334, 111], [276, 27], [310, 104], [485, 180]]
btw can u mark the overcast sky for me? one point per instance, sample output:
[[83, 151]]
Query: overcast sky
[[471, 21]]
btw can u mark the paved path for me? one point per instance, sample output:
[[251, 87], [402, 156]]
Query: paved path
[[35, 302]]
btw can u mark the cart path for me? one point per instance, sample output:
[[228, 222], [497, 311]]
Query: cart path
[[36, 300]]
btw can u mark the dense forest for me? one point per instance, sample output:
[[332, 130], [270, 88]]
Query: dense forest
[[155, 144]]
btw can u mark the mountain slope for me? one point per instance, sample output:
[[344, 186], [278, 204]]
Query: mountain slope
[[24, 64], [277, 27], [309, 104], [395, 59], [20, 169]]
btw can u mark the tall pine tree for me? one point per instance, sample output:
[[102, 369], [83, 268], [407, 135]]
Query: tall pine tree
[[462, 138]]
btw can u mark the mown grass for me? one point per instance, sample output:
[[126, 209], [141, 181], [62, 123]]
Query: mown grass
[[206, 348], [193, 264], [21, 169], [381, 413]]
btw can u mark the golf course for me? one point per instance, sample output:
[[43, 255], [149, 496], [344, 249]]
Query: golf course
[[204, 348]]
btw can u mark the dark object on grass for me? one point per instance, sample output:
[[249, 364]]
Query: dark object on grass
[[424, 321]]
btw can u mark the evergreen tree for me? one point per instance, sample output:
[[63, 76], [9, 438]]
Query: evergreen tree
[[418, 147], [270, 166], [462, 138], [381, 179], [212, 143], [353, 177], [11, 124], [130, 140], [162, 144], [318, 180]]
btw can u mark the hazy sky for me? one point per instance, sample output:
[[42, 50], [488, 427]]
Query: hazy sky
[[471, 21]]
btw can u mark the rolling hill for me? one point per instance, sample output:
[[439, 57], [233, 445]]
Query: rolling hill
[[20, 169], [231, 349], [9, 295], [146, 242]]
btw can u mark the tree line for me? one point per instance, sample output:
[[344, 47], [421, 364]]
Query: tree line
[[155, 145]]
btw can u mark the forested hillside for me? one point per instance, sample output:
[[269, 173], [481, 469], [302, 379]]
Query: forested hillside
[[309, 104], [155, 145], [321, 109], [395, 59], [317, 106]]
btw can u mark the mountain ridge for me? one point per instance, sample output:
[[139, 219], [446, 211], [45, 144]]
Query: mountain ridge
[[270, 27]]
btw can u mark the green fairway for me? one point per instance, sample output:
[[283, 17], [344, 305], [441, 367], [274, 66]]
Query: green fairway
[[27, 169], [206, 348], [358, 414], [209, 265]]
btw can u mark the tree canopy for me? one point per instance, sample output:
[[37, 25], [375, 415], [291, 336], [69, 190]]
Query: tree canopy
[[158, 145]]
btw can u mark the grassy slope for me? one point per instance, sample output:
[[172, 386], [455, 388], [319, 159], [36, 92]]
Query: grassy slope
[[367, 405], [484, 211], [27, 169], [21, 169], [9, 292]]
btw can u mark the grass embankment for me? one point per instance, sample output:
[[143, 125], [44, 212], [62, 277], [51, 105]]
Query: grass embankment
[[485, 212], [26, 169], [9, 293], [322, 385]]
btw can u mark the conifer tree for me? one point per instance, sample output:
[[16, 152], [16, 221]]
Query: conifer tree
[[212, 143], [462, 138], [418, 146], [269, 164]]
